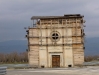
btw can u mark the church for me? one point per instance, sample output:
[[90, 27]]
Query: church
[[56, 41]]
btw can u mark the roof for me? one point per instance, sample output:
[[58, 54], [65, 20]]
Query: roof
[[52, 17]]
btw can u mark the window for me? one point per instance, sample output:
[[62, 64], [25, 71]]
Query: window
[[55, 36]]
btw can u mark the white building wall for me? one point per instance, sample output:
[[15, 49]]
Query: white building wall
[[42, 56], [68, 52]]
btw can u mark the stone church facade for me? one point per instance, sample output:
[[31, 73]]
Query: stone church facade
[[56, 41]]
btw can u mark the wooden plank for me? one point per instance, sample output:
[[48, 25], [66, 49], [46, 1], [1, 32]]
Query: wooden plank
[[33, 32], [33, 40]]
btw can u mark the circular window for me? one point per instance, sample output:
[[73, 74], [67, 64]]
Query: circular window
[[55, 36]]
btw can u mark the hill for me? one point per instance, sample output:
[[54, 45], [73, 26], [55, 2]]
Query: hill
[[91, 46], [13, 46]]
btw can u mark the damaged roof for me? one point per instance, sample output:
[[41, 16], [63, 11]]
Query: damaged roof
[[52, 17]]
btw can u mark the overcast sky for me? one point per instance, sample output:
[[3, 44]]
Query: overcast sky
[[16, 14]]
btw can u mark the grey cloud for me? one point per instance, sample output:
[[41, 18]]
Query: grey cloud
[[16, 14]]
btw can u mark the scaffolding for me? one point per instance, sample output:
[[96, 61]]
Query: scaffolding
[[54, 24]]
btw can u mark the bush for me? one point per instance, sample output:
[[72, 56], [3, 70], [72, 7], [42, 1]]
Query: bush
[[91, 58], [14, 57]]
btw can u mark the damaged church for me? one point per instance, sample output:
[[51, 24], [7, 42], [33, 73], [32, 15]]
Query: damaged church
[[56, 41]]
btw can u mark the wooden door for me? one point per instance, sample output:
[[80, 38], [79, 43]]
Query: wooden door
[[55, 60]]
